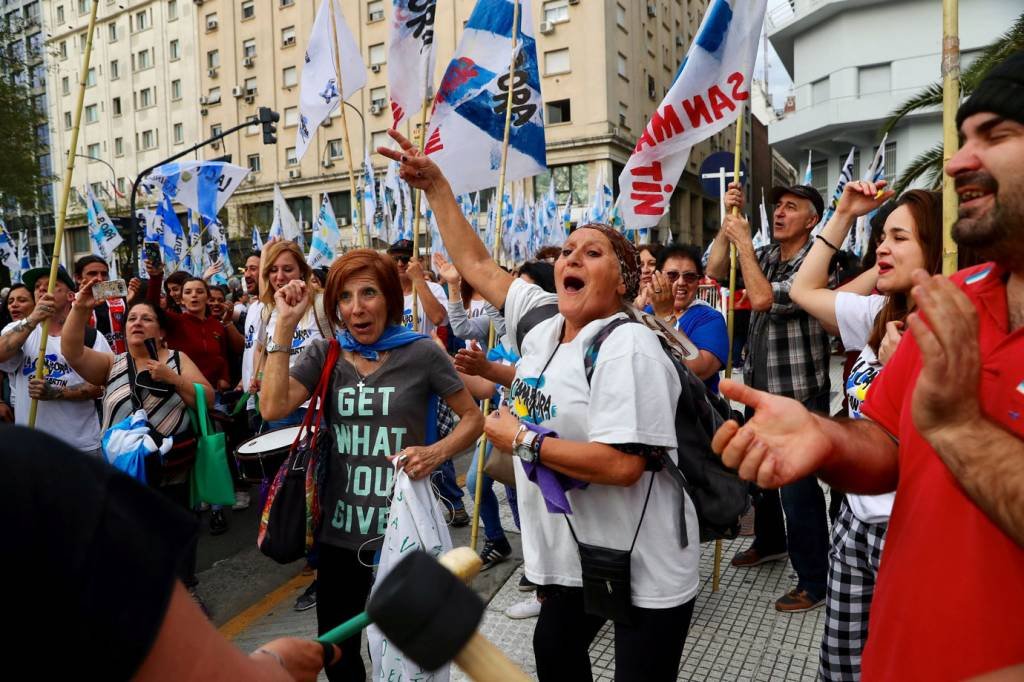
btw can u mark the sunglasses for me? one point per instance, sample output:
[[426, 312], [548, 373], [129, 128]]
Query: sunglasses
[[401, 258], [688, 277]]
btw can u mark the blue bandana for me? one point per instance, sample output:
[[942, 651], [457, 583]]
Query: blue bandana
[[394, 336]]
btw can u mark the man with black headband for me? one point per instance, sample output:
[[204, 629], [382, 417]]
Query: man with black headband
[[787, 354], [944, 430]]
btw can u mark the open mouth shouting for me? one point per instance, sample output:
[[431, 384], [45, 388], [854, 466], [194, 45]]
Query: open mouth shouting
[[362, 327], [572, 284]]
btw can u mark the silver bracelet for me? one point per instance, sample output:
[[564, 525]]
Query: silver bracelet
[[273, 654]]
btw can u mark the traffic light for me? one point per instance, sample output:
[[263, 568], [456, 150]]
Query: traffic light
[[268, 118]]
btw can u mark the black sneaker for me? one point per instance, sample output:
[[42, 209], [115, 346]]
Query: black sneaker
[[218, 524], [494, 553], [307, 599], [460, 519], [526, 585]]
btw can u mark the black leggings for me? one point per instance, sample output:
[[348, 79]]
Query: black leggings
[[649, 650], [342, 586]]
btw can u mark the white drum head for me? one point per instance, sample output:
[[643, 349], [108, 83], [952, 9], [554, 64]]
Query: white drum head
[[270, 442]]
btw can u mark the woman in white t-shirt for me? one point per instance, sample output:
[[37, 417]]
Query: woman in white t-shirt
[[282, 262], [911, 239], [608, 433]]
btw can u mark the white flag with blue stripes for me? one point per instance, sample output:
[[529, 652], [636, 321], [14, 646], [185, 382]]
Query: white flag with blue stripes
[[712, 83], [411, 56], [203, 186], [467, 127]]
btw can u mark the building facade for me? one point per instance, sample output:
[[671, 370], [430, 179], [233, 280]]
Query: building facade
[[140, 98], [844, 91], [605, 67]]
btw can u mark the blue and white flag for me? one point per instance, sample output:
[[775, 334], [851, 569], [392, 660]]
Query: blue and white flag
[[9, 251], [323, 247], [601, 200], [845, 175], [490, 229], [23, 257], [410, 56], [103, 236], [172, 236], [203, 186], [763, 235], [861, 234], [257, 240], [710, 87], [467, 127], [808, 176], [369, 195], [319, 92]]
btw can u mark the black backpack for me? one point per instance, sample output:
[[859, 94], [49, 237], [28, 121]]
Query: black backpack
[[718, 494]]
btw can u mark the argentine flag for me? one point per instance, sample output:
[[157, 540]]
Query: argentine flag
[[467, 127]]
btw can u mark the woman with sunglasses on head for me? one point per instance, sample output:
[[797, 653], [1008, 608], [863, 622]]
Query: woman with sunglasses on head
[[679, 270], [606, 431]]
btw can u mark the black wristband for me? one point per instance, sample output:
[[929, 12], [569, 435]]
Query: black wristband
[[827, 243]]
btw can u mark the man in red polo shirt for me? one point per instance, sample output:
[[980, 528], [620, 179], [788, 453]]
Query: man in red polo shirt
[[947, 431]]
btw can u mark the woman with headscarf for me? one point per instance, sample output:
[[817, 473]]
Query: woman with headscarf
[[594, 441]]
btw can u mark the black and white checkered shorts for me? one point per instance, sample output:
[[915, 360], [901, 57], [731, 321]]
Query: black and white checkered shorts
[[852, 571]]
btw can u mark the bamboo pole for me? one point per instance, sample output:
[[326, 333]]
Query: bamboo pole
[[361, 229], [69, 172], [950, 141], [416, 217], [730, 324], [475, 527]]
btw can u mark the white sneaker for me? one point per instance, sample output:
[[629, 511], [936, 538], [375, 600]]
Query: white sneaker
[[241, 500], [529, 608]]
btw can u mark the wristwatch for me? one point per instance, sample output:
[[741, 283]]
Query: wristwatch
[[275, 347], [525, 449]]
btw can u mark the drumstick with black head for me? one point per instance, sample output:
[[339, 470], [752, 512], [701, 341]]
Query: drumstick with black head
[[432, 617]]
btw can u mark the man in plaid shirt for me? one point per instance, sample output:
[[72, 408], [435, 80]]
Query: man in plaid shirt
[[787, 354]]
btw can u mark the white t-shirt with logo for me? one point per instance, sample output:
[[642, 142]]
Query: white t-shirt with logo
[[306, 331], [631, 399], [73, 421], [426, 326], [856, 316]]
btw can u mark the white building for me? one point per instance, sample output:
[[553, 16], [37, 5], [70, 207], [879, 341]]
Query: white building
[[140, 95], [854, 61]]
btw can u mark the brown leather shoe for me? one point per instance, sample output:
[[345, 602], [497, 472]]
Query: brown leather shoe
[[751, 557], [796, 601]]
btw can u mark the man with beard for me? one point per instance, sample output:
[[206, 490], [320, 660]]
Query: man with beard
[[945, 430]]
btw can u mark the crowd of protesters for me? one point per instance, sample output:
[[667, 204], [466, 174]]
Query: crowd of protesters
[[920, 565]]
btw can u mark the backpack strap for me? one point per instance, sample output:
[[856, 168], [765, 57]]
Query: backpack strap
[[590, 356], [531, 319]]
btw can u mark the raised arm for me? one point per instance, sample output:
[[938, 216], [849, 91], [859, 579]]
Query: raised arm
[[460, 239], [91, 365], [810, 286], [280, 393], [718, 260]]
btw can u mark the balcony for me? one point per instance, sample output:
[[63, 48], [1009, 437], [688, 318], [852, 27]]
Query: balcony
[[787, 21]]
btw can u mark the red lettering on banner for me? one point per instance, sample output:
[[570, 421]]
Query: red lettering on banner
[[736, 78], [456, 76], [719, 102], [647, 196], [398, 113], [664, 124], [653, 171], [697, 109], [434, 143]]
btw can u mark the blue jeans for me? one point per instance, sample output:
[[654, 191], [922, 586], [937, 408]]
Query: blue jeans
[[489, 513], [805, 531], [447, 487]]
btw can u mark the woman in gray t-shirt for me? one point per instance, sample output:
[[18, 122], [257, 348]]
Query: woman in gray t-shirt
[[383, 394]]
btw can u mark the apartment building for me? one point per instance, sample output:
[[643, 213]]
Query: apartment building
[[605, 67], [140, 100]]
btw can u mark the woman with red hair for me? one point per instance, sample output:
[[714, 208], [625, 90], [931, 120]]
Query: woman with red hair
[[383, 394]]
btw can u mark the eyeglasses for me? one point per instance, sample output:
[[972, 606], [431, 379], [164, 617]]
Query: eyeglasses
[[688, 277]]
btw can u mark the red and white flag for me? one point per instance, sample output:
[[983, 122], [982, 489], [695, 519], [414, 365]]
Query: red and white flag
[[712, 82]]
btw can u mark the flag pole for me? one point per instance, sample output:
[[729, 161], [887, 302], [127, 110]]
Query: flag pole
[[950, 141], [69, 172], [336, 53], [416, 216], [730, 324], [475, 528]]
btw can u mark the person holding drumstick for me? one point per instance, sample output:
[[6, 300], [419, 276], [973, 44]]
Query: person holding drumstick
[[382, 394]]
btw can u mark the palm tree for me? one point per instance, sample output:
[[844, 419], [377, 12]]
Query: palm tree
[[929, 163]]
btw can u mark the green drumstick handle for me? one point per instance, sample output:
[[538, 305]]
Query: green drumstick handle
[[350, 627]]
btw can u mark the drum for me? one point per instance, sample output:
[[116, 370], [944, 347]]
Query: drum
[[259, 458]]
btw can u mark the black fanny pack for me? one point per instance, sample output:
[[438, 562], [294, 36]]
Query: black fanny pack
[[607, 583]]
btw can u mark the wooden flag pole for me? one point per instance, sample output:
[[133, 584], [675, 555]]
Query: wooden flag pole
[[416, 217], [475, 528], [361, 229], [738, 148], [69, 172], [950, 140]]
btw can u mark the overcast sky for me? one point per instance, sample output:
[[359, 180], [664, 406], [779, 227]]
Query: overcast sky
[[779, 82]]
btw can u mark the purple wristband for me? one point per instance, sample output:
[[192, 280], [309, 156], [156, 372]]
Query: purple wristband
[[542, 430]]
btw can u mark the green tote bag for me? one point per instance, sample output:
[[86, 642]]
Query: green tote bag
[[211, 477]]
